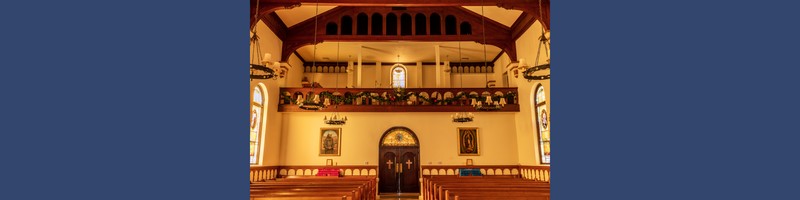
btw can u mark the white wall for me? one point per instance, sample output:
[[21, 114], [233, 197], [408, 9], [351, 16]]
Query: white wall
[[527, 135], [270, 144], [360, 138]]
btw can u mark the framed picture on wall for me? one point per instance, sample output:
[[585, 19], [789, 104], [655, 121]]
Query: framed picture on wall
[[330, 142], [468, 141]]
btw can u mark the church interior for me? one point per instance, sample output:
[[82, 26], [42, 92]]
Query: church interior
[[389, 99]]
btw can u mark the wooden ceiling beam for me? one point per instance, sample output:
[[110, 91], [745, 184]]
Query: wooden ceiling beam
[[531, 9], [268, 7], [302, 34], [521, 25], [528, 6], [407, 3], [276, 25]]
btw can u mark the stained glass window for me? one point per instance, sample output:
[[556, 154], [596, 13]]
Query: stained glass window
[[257, 108], [543, 124], [399, 137], [398, 77]]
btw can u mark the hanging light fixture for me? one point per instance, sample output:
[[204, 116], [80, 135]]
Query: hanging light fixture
[[461, 117], [312, 103], [260, 67], [336, 118], [530, 73], [488, 104]]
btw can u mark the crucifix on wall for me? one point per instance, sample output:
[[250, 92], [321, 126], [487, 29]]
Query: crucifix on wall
[[409, 163]]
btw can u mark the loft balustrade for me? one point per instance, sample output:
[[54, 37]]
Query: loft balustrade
[[398, 99]]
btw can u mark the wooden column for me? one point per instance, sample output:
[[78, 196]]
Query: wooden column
[[350, 74], [419, 75], [358, 68], [438, 67], [378, 75]]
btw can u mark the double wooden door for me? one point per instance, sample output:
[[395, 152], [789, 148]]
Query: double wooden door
[[399, 169]]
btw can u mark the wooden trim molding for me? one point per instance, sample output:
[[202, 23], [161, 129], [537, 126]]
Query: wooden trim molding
[[534, 173], [263, 173]]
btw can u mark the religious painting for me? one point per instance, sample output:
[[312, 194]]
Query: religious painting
[[468, 142], [330, 142]]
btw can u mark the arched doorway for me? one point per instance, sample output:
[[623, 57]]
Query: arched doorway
[[398, 159]]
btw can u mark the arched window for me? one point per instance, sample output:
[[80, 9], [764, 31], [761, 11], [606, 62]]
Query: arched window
[[420, 20], [398, 76], [436, 24], [363, 23], [466, 29], [347, 25], [542, 123], [405, 24], [391, 24], [256, 117], [331, 29], [377, 24], [450, 25]]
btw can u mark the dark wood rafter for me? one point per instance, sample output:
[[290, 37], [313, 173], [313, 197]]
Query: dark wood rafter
[[299, 57], [267, 7], [497, 34], [302, 33], [521, 25], [407, 3], [530, 8], [276, 25], [497, 57]]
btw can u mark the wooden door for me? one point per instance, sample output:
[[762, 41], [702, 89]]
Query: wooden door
[[410, 172], [398, 158], [399, 171], [388, 171]]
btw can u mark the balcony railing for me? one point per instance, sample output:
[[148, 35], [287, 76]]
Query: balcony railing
[[398, 100]]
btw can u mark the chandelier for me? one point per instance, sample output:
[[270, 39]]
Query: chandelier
[[489, 104], [312, 103], [335, 119], [529, 73], [261, 68], [462, 117]]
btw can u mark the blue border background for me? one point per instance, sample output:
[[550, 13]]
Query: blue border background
[[144, 99], [674, 100], [136, 99]]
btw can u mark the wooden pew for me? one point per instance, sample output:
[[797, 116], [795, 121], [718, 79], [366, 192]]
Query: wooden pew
[[349, 188], [466, 188]]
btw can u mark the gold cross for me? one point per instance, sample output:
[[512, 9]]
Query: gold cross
[[409, 163], [389, 163]]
